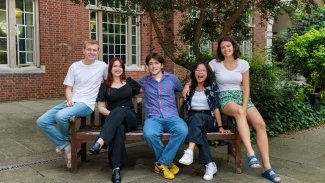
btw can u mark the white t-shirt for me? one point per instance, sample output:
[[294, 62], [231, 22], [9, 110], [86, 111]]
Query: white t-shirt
[[85, 81], [199, 101], [229, 79]]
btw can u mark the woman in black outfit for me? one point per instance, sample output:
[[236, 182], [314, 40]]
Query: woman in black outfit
[[115, 102]]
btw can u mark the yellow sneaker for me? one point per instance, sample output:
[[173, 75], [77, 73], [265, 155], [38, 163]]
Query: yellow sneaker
[[173, 168], [163, 171]]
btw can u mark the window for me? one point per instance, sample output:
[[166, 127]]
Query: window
[[118, 34], [205, 47], [20, 49]]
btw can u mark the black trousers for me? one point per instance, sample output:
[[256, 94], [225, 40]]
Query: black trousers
[[117, 123], [199, 124]]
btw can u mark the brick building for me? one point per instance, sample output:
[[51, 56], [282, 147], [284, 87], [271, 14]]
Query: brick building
[[39, 39]]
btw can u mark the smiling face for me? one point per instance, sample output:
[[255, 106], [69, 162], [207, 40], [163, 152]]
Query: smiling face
[[155, 67], [117, 69], [90, 52], [201, 73], [227, 49]]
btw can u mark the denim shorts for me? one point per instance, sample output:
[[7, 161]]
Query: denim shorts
[[233, 96]]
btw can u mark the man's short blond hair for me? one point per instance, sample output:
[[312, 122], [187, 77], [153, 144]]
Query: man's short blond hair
[[90, 41]]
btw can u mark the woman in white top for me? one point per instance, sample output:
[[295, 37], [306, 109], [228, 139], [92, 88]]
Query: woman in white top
[[232, 76]]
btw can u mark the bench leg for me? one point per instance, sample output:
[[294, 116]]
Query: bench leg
[[83, 152], [74, 157], [238, 155]]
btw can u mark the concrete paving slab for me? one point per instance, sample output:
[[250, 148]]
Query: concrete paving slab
[[27, 155]]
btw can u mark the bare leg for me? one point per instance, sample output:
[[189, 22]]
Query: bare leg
[[100, 141], [191, 146], [235, 110], [256, 120]]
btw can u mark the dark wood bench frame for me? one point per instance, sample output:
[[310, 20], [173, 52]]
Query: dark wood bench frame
[[89, 129]]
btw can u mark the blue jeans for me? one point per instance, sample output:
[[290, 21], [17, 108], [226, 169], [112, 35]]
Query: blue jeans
[[60, 116], [153, 129]]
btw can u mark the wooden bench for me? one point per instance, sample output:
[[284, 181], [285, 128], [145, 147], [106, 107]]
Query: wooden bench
[[89, 128]]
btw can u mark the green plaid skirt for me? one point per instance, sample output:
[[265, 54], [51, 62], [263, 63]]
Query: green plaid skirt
[[233, 96]]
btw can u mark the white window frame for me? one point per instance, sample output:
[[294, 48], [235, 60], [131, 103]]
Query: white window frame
[[13, 66], [99, 36]]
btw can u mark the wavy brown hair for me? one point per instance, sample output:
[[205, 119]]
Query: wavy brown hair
[[108, 82], [236, 53]]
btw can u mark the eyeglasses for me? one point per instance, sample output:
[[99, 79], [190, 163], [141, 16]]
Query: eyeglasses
[[200, 70]]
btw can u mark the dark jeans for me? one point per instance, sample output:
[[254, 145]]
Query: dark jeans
[[199, 123], [117, 123]]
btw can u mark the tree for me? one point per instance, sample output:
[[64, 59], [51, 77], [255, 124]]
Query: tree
[[213, 18], [306, 55]]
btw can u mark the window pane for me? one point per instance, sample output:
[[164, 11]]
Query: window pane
[[3, 58], [93, 36], [29, 19], [117, 50], [105, 58], [2, 4], [3, 24], [19, 4], [117, 29], [105, 38], [123, 29], [124, 58], [111, 49], [105, 48], [30, 57], [134, 49], [117, 39], [134, 59], [3, 44], [92, 2], [22, 58], [123, 50], [29, 5], [123, 39], [111, 38], [93, 27], [111, 28]]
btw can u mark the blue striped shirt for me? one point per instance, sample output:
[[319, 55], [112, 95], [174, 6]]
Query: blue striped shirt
[[160, 97]]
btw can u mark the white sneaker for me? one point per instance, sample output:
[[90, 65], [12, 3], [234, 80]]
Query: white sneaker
[[210, 170], [187, 158], [59, 151], [67, 155]]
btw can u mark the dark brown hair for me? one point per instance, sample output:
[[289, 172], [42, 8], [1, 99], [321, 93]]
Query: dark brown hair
[[108, 82], [236, 53], [155, 56]]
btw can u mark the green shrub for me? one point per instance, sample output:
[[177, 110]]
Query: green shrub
[[283, 104], [306, 55]]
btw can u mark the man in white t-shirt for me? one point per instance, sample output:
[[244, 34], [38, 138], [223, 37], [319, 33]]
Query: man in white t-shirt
[[82, 84]]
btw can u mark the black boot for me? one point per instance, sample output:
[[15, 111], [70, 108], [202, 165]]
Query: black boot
[[116, 176], [95, 148]]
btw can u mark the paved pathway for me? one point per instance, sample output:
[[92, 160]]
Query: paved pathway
[[26, 155]]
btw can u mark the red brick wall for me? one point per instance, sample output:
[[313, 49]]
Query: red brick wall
[[63, 27], [259, 34]]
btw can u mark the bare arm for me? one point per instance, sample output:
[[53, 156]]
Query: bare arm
[[186, 89], [102, 108], [246, 90], [68, 96], [217, 115]]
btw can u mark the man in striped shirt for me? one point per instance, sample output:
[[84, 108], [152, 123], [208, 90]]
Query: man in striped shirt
[[162, 115]]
